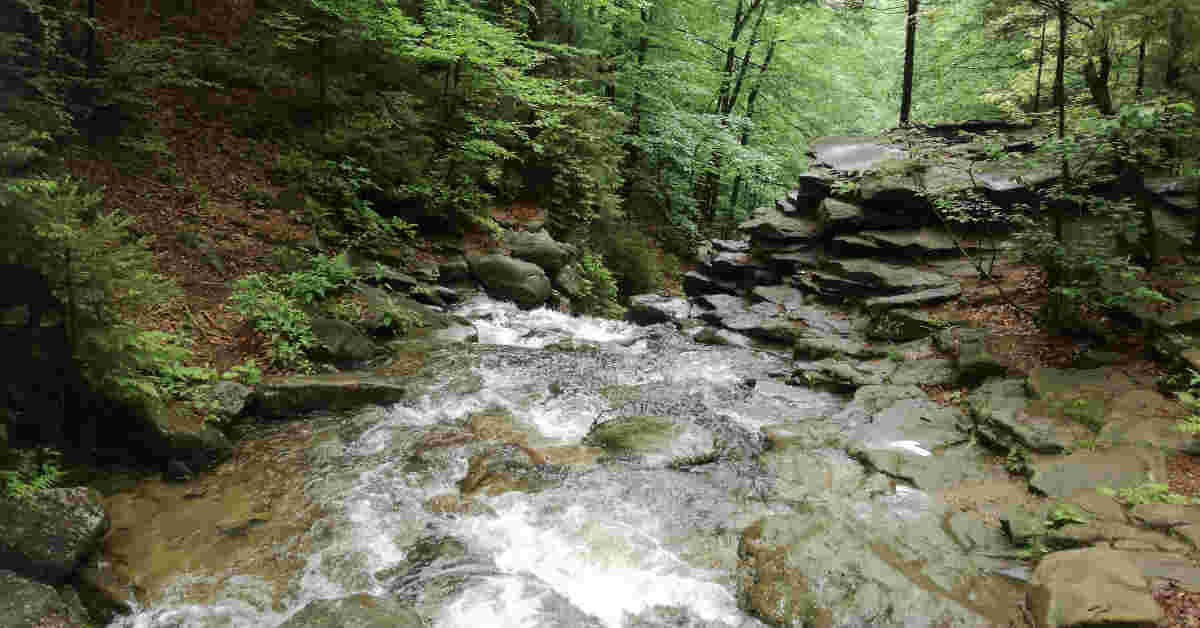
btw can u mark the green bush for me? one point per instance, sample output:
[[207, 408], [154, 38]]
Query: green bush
[[33, 472], [263, 301], [276, 305], [630, 255], [600, 292], [104, 277]]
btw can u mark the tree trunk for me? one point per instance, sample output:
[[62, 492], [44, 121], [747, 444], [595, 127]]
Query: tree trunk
[[745, 138], [1060, 98], [910, 48], [1175, 48], [1037, 92], [1141, 70], [708, 190], [1097, 82]]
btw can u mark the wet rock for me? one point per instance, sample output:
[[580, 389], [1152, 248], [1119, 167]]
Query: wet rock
[[651, 309], [25, 603], [885, 278], [768, 223], [454, 270], [915, 299], [976, 535], [839, 374], [907, 440], [382, 274], [871, 400], [912, 243], [720, 337], [510, 279], [999, 409], [655, 440], [932, 372], [1006, 186], [103, 591], [569, 280], [360, 611], [540, 248], [836, 216], [696, 284], [732, 246], [786, 297], [815, 346], [902, 325], [972, 355], [340, 342], [509, 467], [1177, 193], [1114, 467], [47, 535], [178, 432], [390, 314], [820, 569], [734, 267], [1180, 519], [852, 154], [224, 399], [1091, 587], [1146, 417], [282, 397]]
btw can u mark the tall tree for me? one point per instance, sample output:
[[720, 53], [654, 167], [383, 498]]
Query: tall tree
[[911, 12]]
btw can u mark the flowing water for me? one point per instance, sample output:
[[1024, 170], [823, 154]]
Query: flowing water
[[614, 541]]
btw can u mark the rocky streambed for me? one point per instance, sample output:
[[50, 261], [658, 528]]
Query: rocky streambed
[[761, 452]]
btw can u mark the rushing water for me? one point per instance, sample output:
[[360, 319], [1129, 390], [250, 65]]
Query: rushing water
[[615, 544]]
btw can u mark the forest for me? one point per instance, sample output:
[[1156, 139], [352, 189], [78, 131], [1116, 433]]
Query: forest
[[182, 180], [219, 213]]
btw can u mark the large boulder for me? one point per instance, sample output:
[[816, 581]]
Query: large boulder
[[1092, 587], [25, 603], [47, 535], [839, 568], [999, 410], [770, 224], [360, 611], [538, 247], [650, 309], [340, 342], [282, 397], [909, 440], [853, 154], [511, 279]]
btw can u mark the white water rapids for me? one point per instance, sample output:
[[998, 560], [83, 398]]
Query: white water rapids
[[613, 546]]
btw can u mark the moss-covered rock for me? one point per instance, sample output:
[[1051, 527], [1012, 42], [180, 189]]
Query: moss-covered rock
[[46, 536]]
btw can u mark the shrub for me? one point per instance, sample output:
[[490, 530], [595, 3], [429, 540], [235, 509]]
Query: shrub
[[275, 305], [599, 294]]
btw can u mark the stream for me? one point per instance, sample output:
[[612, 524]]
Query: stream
[[558, 531]]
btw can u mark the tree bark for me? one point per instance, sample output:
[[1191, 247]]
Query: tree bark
[[1097, 81], [910, 48], [1060, 98], [1175, 46], [1037, 92], [1141, 70], [745, 138]]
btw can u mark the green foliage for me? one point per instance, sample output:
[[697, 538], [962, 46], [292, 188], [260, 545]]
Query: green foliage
[[1150, 492], [1064, 514], [247, 372], [34, 471], [278, 305], [262, 300], [630, 255], [1190, 399], [599, 294]]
